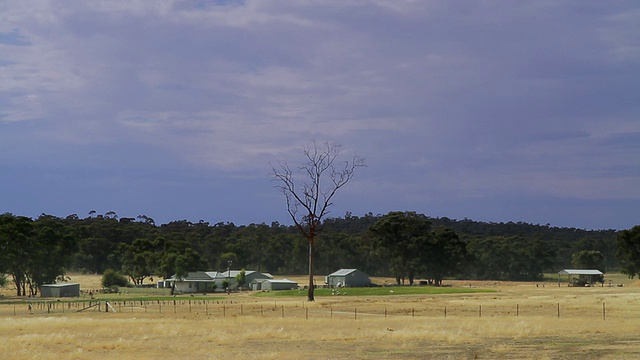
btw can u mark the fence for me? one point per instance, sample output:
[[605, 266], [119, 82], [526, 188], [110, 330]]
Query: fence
[[226, 308]]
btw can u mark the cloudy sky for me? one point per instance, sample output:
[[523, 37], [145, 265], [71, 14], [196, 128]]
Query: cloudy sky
[[488, 110]]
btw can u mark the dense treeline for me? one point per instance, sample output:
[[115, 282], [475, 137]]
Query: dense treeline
[[35, 251]]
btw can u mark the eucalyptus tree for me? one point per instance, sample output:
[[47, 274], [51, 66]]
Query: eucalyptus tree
[[310, 188], [628, 251]]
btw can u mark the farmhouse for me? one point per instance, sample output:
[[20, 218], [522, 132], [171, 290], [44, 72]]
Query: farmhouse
[[60, 290], [348, 277], [581, 277], [273, 284], [209, 281], [196, 281]]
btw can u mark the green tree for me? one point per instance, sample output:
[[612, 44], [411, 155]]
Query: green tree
[[139, 260], [54, 246], [405, 237], [446, 255], [16, 234], [309, 197], [113, 278], [628, 251], [241, 279], [588, 259]]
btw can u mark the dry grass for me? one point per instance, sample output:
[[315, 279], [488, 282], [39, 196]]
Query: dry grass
[[345, 327]]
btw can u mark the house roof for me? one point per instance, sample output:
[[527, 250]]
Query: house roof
[[214, 274], [343, 272], [195, 276], [234, 273], [579, 272]]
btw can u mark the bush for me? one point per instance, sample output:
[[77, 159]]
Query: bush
[[111, 278]]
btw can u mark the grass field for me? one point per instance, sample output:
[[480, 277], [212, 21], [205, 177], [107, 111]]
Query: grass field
[[512, 321]]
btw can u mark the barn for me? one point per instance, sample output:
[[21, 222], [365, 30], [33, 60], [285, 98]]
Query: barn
[[60, 290], [348, 277]]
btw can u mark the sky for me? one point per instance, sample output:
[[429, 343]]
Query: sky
[[493, 111]]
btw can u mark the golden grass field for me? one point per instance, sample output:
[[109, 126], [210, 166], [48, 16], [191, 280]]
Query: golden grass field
[[517, 321]]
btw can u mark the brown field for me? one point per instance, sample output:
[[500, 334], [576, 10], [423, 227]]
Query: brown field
[[517, 321]]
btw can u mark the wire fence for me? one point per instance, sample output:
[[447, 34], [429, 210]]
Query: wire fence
[[225, 308]]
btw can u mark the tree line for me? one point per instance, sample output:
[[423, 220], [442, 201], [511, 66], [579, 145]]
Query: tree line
[[404, 245]]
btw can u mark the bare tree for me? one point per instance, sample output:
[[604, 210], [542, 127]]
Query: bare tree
[[310, 190]]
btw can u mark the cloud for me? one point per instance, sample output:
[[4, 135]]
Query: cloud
[[468, 100]]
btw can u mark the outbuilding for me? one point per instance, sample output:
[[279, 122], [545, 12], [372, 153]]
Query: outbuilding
[[60, 290], [273, 284], [348, 277], [581, 277], [250, 276]]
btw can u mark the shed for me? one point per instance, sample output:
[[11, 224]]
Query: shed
[[348, 277], [60, 290], [581, 277], [274, 284]]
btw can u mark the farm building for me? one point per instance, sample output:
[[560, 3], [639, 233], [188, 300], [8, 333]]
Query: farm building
[[60, 290], [273, 284], [249, 276], [208, 281], [581, 277], [348, 277], [196, 281]]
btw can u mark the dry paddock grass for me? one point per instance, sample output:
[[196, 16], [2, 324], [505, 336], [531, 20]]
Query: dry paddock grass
[[482, 326]]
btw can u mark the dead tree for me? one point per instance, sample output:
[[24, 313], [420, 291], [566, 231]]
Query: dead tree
[[310, 190]]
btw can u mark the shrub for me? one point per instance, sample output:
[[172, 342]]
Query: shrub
[[111, 278]]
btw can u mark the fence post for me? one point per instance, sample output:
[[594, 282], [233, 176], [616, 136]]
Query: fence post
[[604, 312], [306, 313], [355, 314], [558, 310], [479, 310], [517, 310], [283, 311], [445, 312]]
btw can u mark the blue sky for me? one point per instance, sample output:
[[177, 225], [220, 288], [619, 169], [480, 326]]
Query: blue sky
[[494, 110]]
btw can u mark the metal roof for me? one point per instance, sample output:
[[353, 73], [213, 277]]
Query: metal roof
[[342, 272], [281, 281], [579, 272], [59, 285]]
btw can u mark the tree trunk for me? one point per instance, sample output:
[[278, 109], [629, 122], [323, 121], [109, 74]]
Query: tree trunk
[[310, 296]]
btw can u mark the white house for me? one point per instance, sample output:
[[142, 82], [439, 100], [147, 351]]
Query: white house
[[196, 281]]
